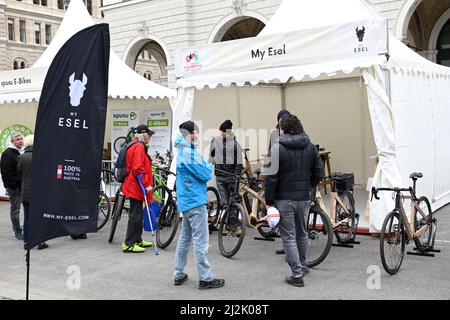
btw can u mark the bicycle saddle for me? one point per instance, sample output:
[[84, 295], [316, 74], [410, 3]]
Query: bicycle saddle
[[416, 175], [246, 150]]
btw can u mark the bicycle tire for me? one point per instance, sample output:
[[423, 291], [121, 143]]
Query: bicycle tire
[[345, 234], [106, 205], [227, 231], [213, 205], [265, 230], [389, 226], [116, 214], [423, 244], [168, 217], [316, 253], [119, 143]]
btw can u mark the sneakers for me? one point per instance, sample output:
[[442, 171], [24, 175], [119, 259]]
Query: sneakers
[[79, 236], [180, 281], [19, 236], [298, 282], [42, 246], [145, 244], [132, 248], [215, 283]]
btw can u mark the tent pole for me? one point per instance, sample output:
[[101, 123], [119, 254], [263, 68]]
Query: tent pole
[[28, 274], [283, 93]]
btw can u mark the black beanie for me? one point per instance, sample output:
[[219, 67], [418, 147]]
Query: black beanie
[[188, 127], [226, 125], [283, 113]]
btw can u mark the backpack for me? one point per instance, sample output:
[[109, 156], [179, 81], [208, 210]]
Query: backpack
[[120, 167]]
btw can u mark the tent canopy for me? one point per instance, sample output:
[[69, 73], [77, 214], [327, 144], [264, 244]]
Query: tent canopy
[[123, 81]]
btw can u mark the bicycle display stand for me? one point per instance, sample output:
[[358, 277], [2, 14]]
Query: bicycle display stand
[[348, 244], [264, 239], [423, 253]]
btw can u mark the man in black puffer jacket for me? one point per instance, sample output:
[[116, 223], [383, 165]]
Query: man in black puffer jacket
[[8, 166], [296, 168]]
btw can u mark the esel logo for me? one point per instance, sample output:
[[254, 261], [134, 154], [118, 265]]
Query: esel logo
[[360, 33], [77, 88], [133, 116], [193, 57]]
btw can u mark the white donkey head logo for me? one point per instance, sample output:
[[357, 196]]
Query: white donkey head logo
[[77, 88]]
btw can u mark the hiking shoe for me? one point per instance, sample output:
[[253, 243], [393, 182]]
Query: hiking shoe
[[145, 244], [181, 280], [215, 283], [19, 236], [42, 246], [132, 248], [298, 282]]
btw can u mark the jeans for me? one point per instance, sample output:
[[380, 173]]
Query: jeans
[[225, 187], [14, 199], [135, 223], [293, 228], [194, 228]]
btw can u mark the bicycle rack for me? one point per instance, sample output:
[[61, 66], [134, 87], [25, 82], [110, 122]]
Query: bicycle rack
[[351, 242], [430, 249]]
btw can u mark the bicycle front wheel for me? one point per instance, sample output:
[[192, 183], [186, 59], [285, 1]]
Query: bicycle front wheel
[[264, 229], [116, 214], [168, 217], [232, 230], [320, 236], [392, 243], [423, 241], [104, 210], [345, 218]]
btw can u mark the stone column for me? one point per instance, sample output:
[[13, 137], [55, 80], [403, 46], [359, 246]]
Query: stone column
[[3, 36]]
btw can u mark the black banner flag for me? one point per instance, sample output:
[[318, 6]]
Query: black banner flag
[[69, 134]]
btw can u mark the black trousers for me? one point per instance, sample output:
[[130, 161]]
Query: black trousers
[[135, 223]]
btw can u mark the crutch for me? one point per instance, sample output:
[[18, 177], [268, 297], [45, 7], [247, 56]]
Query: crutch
[[148, 213]]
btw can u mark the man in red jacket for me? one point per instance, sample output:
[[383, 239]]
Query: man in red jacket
[[138, 162]]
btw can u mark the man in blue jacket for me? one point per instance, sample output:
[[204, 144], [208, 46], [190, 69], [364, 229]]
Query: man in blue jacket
[[193, 173]]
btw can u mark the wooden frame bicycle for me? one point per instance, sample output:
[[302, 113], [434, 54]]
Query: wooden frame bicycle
[[397, 230], [342, 212]]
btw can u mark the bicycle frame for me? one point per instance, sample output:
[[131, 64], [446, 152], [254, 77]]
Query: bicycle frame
[[409, 225], [335, 199], [253, 214]]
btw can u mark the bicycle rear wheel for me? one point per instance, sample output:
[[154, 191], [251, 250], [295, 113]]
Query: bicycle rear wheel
[[265, 229], [168, 217], [116, 214], [424, 241], [119, 143], [392, 243], [347, 222], [213, 205], [232, 230], [104, 210], [320, 236]]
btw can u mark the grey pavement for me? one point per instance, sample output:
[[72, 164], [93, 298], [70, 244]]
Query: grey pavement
[[254, 273]]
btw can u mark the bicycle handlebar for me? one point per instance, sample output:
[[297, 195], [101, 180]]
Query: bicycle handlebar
[[165, 170], [376, 190]]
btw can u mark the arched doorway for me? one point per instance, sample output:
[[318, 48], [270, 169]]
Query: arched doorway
[[233, 28], [443, 46], [148, 58], [421, 28]]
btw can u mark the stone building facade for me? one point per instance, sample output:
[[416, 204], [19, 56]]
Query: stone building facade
[[162, 26], [27, 27]]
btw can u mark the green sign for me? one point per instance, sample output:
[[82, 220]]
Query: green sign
[[5, 135], [158, 123], [120, 123]]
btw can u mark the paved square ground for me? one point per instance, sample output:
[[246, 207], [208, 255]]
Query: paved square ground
[[254, 273]]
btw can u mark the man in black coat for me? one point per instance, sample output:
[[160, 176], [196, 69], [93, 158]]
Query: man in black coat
[[8, 167], [296, 168]]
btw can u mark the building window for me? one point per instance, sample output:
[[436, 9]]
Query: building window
[[61, 4], [148, 75], [36, 1], [10, 29], [15, 65], [48, 33], [37, 33], [22, 65], [23, 31], [44, 3]]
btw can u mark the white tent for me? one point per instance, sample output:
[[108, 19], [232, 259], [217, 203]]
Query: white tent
[[407, 95]]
